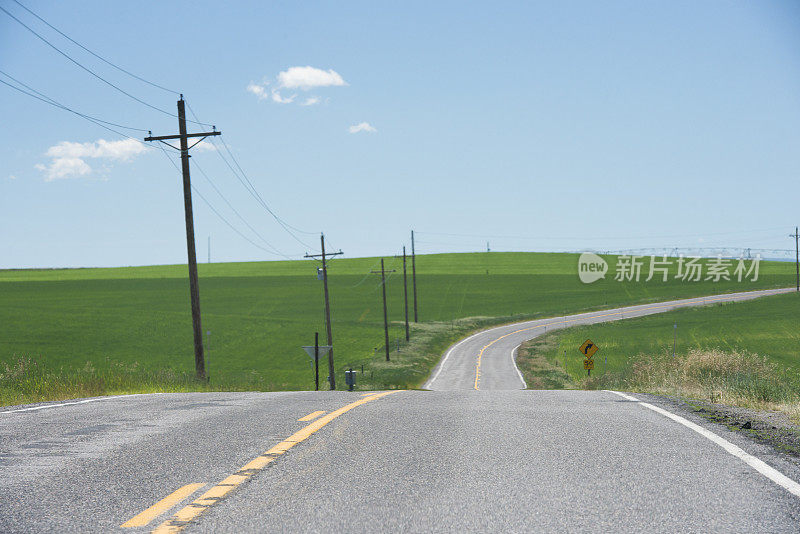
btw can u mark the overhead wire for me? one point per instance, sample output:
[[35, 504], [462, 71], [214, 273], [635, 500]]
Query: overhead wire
[[47, 100], [90, 71], [40, 96], [373, 266], [217, 213], [97, 122], [213, 185], [33, 93], [255, 194], [236, 162], [98, 56], [242, 177], [550, 237]]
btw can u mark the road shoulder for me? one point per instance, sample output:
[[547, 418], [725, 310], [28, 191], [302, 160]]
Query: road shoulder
[[769, 435]]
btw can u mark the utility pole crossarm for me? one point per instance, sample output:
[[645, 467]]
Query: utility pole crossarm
[[327, 254], [178, 136]]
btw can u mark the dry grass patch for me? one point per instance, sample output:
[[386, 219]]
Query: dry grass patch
[[736, 378]]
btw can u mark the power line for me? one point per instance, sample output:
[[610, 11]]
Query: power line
[[90, 71], [367, 276], [231, 226], [88, 118], [218, 214], [581, 238], [47, 100], [251, 188], [248, 185], [101, 58], [275, 250], [286, 226]]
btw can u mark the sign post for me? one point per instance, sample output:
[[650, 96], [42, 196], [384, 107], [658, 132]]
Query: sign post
[[588, 349], [315, 352]]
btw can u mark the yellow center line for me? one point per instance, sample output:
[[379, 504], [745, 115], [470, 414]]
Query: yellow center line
[[190, 512], [312, 415], [162, 506], [687, 301]]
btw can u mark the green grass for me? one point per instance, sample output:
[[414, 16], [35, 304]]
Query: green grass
[[129, 329], [743, 353]]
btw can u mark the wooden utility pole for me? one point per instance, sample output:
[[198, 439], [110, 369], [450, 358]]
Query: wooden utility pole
[[796, 236], [194, 290], [385, 316], [324, 257], [414, 275], [405, 291]]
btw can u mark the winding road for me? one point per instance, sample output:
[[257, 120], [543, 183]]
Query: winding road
[[486, 360], [453, 459]]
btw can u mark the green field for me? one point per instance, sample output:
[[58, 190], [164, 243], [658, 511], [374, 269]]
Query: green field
[[740, 353], [89, 331]]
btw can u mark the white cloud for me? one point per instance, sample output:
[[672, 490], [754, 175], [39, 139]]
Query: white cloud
[[259, 90], [117, 150], [68, 159], [276, 97], [306, 78], [64, 168], [202, 146], [296, 78], [362, 127], [12, 177]]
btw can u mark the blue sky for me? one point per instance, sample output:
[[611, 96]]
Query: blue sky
[[534, 126]]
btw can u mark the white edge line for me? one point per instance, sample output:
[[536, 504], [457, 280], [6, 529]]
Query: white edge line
[[514, 361], [759, 465], [84, 401], [34, 408]]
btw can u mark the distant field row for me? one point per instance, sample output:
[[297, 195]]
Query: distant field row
[[136, 321]]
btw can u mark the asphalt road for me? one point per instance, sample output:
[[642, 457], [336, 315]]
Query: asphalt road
[[439, 461]]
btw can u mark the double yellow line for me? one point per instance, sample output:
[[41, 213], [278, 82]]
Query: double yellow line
[[673, 305], [188, 513]]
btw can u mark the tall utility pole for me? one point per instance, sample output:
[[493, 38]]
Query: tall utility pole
[[405, 291], [331, 371], [385, 316], [414, 275], [194, 290], [796, 236], [209, 249]]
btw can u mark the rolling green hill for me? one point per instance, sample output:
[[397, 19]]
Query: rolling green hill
[[67, 332]]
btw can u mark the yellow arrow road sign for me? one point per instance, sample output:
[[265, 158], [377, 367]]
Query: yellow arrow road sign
[[588, 348]]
